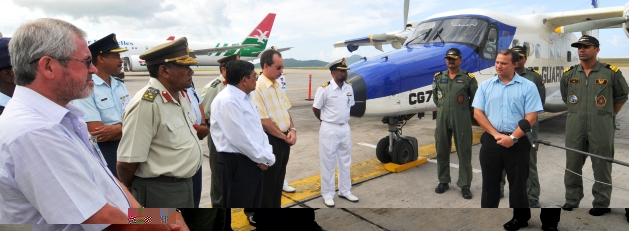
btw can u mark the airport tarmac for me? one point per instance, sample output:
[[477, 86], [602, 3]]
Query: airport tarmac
[[406, 200]]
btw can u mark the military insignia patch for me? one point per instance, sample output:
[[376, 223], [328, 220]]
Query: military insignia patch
[[150, 94], [567, 69], [460, 98], [601, 81], [215, 83], [470, 75], [536, 71], [612, 67], [573, 81], [573, 99], [166, 96], [460, 81], [436, 74], [326, 84], [601, 101], [443, 80], [439, 94], [349, 94]]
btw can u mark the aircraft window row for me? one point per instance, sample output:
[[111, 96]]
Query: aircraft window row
[[538, 51], [559, 54], [569, 56], [528, 49], [552, 53], [468, 31]]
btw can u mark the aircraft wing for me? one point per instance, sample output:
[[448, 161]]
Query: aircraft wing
[[578, 16], [277, 49], [222, 49], [396, 39]]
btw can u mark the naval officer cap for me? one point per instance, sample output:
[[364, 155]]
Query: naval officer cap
[[107, 44], [5, 60], [171, 52], [339, 64], [586, 40], [520, 49], [453, 53], [226, 59]]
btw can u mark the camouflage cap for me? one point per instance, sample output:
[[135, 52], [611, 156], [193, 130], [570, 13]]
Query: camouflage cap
[[171, 52]]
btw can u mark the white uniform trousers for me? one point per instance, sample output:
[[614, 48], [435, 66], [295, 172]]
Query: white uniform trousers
[[335, 146]]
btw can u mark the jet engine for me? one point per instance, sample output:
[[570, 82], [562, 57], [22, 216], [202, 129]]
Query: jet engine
[[136, 64]]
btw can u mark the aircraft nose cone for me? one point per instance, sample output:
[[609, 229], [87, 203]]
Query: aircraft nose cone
[[360, 94]]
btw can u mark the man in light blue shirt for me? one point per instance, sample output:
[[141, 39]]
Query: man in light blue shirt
[[7, 86], [103, 109], [500, 103]]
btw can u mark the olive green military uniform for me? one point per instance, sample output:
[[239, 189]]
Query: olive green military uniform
[[158, 134], [590, 126], [532, 183], [454, 99], [208, 94]]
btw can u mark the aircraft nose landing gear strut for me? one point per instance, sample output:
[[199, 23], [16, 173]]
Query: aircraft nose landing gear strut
[[395, 147]]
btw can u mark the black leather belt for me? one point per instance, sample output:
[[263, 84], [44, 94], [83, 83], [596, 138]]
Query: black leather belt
[[165, 179], [506, 133]]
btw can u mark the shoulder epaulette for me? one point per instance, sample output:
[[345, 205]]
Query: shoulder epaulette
[[438, 73], [470, 75], [612, 67], [150, 94], [326, 84], [119, 79], [533, 70], [215, 83], [348, 83], [568, 69]]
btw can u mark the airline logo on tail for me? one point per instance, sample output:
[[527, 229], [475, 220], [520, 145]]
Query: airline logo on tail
[[260, 35]]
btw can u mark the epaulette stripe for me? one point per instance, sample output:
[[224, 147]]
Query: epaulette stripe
[[326, 84]]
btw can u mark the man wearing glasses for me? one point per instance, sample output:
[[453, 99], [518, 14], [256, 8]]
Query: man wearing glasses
[[103, 109], [159, 151], [51, 173], [273, 107]]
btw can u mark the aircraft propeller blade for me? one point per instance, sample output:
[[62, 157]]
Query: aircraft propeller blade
[[406, 2], [591, 25]]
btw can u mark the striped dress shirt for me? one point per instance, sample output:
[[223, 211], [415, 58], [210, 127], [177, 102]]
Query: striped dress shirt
[[272, 102]]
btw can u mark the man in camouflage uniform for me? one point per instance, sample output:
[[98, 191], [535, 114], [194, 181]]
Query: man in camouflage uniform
[[594, 93], [532, 183], [455, 90]]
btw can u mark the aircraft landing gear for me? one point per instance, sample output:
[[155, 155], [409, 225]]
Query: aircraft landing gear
[[396, 148]]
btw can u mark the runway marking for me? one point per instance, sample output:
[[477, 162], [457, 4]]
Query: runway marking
[[367, 145]]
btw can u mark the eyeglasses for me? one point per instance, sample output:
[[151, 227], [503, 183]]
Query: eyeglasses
[[87, 62], [280, 68]]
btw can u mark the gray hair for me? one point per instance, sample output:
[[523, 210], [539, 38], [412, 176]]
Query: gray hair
[[35, 39]]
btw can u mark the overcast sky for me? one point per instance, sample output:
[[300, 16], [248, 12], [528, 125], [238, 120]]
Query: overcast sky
[[310, 26]]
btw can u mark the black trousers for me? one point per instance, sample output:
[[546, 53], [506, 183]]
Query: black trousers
[[515, 161], [274, 176], [204, 219], [197, 185], [241, 179], [548, 216], [285, 219], [110, 153]]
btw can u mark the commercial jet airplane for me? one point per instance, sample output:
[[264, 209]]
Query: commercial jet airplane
[[207, 52], [398, 84]]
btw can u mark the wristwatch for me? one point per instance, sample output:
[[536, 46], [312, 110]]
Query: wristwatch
[[293, 129], [515, 140]]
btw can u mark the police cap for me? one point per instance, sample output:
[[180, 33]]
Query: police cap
[[453, 53], [171, 52], [339, 64], [107, 44], [5, 60], [586, 40]]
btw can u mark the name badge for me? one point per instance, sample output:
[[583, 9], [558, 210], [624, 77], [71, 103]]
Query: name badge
[[573, 81], [460, 81], [601, 81], [443, 80]]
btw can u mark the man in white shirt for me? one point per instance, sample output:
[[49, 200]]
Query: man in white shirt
[[240, 141]]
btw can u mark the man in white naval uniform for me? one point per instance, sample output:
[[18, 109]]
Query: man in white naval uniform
[[331, 106]]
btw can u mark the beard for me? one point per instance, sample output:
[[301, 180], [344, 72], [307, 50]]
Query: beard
[[69, 89]]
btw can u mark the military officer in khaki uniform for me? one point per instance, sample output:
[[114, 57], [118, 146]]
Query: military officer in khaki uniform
[[532, 183], [455, 90], [208, 94], [594, 93], [159, 151]]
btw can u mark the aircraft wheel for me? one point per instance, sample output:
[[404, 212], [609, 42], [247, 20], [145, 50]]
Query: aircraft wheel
[[382, 150], [402, 152]]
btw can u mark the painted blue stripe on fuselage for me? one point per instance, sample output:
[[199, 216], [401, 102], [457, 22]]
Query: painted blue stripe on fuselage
[[414, 66]]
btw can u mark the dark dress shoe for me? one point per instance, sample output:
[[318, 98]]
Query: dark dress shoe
[[599, 211], [568, 207], [549, 228], [627, 214], [467, 194], [534, 204], [442, 187], [514, 224]]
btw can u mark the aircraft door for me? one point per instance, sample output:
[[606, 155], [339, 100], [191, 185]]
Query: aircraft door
[[489, 51]]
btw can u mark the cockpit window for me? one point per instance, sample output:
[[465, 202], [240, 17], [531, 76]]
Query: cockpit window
[[468, 31]]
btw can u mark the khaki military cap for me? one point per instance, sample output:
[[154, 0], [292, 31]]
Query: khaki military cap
[[171, 52], [226, 59]]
